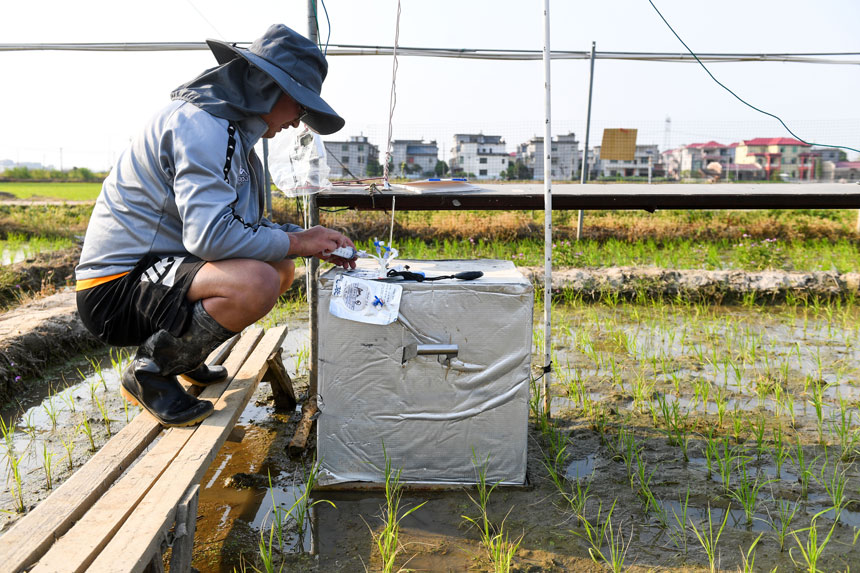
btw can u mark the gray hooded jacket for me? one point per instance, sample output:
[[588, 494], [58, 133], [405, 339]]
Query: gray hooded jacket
[[168, 195]]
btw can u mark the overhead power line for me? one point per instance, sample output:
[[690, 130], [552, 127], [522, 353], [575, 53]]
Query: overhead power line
[[845, 58]]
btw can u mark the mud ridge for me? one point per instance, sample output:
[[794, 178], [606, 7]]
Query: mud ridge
[[37, 335], [719, 285]]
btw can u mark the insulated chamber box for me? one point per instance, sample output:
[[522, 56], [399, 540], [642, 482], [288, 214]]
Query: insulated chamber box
[[434, 414]]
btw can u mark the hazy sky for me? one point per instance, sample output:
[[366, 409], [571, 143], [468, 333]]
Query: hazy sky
[[89, 104]]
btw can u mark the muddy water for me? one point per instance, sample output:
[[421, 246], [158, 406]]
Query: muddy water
[[727, 371]]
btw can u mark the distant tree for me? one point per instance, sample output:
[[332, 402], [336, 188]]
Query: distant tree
[[441, 168], [843, 156], [518, 171], [18, 172], [374, 169]]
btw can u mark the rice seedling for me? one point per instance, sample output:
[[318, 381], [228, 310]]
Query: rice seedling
[[785, 512], [388, 539], [572, 492], [301, 358], [748, 556], [601, 531], [497, 543], [627, 449], [746, 492], [69, 446], [758, 432], [600, 422], [17, 486], [47, 458], [779, 453], [726, 463], [8, 432], [51, 410], [100, 404], [119, 357], [644, 491], [812, 549], [710, 452], [709, 539], [69, 400], [848, 437], [88, 430], [675, 425], [266, 550], [835, 488], [97, 370], [29, 426], [817, 402], [738, 418], [804, 467], [302, 505], [679, 535]]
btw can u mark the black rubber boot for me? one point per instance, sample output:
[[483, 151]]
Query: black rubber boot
[[203, 335], [206, 375], [162, 396], [150, 380]]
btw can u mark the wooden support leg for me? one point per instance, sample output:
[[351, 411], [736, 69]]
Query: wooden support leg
[[282, 386], [183, 532], [300, 438]]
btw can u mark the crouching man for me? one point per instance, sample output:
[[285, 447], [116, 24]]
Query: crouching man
[[178, 256]]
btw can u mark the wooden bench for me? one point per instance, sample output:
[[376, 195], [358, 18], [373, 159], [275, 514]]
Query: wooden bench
[[129, 502]]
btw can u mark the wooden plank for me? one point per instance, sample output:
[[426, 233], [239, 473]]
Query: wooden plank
[[568, 196], [186, 525], [77, 548], [282, 385], [33, 535], [136, 541], [303, 429]]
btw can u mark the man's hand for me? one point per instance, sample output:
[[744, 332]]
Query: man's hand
[[320, 242]]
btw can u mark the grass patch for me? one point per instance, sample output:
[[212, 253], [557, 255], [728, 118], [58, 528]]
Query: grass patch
[[64, 191]]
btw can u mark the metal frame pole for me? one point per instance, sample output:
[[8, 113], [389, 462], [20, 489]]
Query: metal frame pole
[[584, 170], [547, 185], [266, 181], [313, 262]]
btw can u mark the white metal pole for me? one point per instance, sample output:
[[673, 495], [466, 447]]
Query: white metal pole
[[547, 193], [313, 263], [584, 170]]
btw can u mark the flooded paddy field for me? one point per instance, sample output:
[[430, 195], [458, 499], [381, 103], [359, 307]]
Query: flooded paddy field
[[682, 437]]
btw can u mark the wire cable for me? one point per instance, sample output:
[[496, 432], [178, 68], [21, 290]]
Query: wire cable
[[719, 83], [317, 24]]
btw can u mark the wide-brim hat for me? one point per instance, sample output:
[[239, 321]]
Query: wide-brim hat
[[296, 64]]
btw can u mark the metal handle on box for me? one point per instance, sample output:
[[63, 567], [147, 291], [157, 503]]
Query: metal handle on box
[[413, 350]]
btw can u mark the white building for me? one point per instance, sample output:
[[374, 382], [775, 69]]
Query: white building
[[638, 167], [413, 158], [565, 156], [483, 156], [349, 159]]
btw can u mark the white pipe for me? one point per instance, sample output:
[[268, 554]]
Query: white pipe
[[547, 193]]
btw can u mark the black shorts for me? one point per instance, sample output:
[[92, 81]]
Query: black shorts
[[128, 310]]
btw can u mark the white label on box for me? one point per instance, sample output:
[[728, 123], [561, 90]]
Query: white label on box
[[371, 302]]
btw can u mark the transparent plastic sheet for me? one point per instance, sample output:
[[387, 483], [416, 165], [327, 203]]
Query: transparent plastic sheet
[[297, 162]]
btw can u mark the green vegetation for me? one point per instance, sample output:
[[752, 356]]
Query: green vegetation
[[41, 175], [65, 191]]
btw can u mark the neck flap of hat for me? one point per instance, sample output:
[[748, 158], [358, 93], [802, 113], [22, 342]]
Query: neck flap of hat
[[232, 91]]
